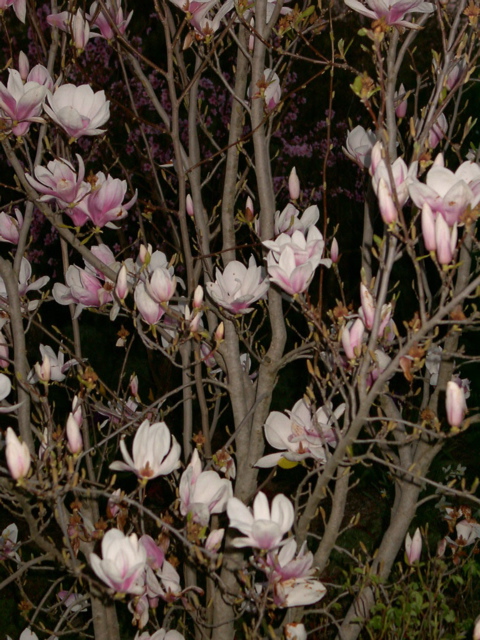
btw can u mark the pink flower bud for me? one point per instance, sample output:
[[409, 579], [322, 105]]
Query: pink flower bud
[[294, 185], [455, 404], [334, 255], [352, 336], [445, 239], [43, 370], [413, 546], [17, 455], [249, 210], [428, 228], [214, 540], [74, 435], [133, 384], [23, 66], [401, 109], [121, 287], [77, 410], [368, 306], [219, 332], [145, 253], [198, 297], [387, 207], [189, 205], [437, 131]]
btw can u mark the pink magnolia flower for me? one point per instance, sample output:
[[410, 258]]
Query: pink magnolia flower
[[98, 18], [401, 102], [413, 546], [264, 528], [391, 11], [150, 310], [288, 221], [445, 240], [369, 308], [58, 366], [78, 110], [8, 542], [300, 435], [352, 338], [379, 171], [202, 492], [21, 104], [19, 6], [60, 182], [75, 24], [293, 584], [162, 284], [238, 287], [155, 452], [273, 91], [74, 434], [437, 131], [17, 455], [447, 193], [359, 145], [455, 404], [83, 289], [10, 227], [104, 204], [122, 564]]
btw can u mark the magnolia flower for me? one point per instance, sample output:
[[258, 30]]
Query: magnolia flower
[[413, 546], [162, 284], [10, 227], [155, 452], [161, 634], [293, 185], [293, 584], [83, 289], [359, 145], [202, 492], [74, 435], [437, 131], [74, 24], [265, 527], [392, 12], [104, 204], [17, 455], [445, 240], [8, 542], [57, 363], [379, 172], [20, 104], [352, 338], [99, 19], [19, 6], [300, 435], [455, 404], [75, 602], [238, 287], [150, 310], [272, 92], [78, 110], [401, 102], [447, 193], [295, 631], [60, 182], [288, 221], [123, 562], [467, 532]]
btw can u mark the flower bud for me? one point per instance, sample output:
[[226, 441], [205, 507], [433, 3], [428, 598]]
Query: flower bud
[[219, 332], [334, 255], [249, 210], [145, 253], [17, 455], [413, 546], [74, 435], [455, 404], [198, 297], [428, 228], [121, 287], [293, 185], [189, 205], [368, 306], [43, 370], [214, 540], [445, 239], [23, 66], [387, 207], [401, 109], [133, 384]]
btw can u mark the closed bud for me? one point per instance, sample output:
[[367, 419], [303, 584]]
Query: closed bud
[[133, 384], [219, 332], [189, 205], [334, 254], [17, 455], [455, 404], [23, 66], [121, 287], [428, 228], [387, 207], [145, 253], [249, 210], [74, 435], [43, 370], [198, 297], [294, 185], [214, 540], [413, 546]]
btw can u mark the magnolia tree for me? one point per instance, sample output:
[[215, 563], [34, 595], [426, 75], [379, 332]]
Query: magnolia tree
[[150, 193]]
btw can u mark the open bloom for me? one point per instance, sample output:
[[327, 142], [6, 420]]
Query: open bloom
[[288, 221], [83, 289], [447, 193], [300, 435], [17, 455], [104, 203], [391, 11], [10, 227], [155, 452], [293, 584], [264, 528], [20, 104], [202, 492], [19, 6], [123, 562], [78, 110], [238, 287], [75, 24]]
